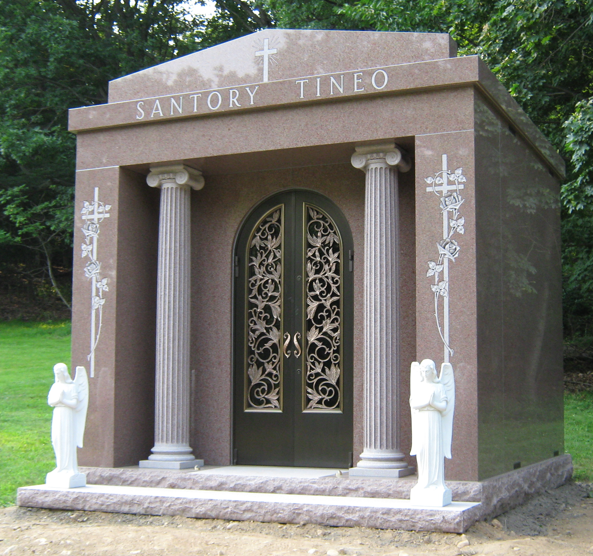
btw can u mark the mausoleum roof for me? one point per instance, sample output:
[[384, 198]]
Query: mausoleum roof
[[297, 53], [279, 69]]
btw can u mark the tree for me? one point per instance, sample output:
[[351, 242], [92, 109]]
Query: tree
[[577, 225], [56, 55], [542, 51], [59, 54]]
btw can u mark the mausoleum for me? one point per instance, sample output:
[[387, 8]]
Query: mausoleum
[[270, 231]]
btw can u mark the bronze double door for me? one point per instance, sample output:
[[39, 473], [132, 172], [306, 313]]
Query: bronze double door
[[293, 334]]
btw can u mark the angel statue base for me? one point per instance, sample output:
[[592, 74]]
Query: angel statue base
[[59, 479], [69, 398], [432, 401]]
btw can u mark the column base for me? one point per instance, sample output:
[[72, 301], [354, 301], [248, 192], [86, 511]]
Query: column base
[[171, 456], [378, 472], [381, 459], [160, 464]]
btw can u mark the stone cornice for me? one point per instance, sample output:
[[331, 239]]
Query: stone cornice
[[402, 78], [417, 77]]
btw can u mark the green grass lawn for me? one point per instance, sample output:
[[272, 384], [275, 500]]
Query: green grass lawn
[[28, 352], [578, 433]]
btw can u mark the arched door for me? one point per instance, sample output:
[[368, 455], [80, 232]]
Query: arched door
[[293, 334]]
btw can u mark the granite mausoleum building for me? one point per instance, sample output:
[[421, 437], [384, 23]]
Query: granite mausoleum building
[[269, 232]]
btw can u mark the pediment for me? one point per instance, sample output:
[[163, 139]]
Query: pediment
[[278, 54]]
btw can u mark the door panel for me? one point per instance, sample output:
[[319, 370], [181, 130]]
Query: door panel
[[293, 334]]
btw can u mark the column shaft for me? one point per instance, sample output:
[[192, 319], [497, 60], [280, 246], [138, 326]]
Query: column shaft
[[172, 341], [172, 385], [381, 311]]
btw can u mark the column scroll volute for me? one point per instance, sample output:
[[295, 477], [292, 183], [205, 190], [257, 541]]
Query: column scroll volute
[[381, 154], [173, 175]]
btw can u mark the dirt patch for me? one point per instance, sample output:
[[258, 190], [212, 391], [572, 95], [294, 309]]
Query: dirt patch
[[557, 523], [579, 382], [533, 518]]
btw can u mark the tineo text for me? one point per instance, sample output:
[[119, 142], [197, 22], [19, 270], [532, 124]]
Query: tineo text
[[342, 83]]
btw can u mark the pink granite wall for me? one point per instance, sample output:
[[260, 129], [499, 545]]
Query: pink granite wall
[[246, 157], [459, 148], [119, 428]]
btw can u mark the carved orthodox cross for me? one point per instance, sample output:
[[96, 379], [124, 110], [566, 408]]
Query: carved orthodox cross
[[446, 185], [94, 213]]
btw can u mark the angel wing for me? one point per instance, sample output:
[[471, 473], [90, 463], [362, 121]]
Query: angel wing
[[82, 388], [447, 379], [415, 380]]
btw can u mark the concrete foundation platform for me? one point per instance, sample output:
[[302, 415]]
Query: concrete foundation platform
[[346, 511], [293, 495]]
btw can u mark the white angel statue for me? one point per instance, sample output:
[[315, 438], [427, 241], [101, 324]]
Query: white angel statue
[[70, 399], [432, 401]]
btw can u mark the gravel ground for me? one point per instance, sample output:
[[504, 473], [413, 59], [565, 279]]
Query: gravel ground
[[558, 523]]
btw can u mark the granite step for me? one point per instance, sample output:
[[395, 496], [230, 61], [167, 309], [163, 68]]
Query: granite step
[[273, 480], [348, 511]]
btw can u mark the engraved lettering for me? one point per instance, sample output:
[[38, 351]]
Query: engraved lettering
[[302, 82], [156, 109], [210, 100], [140, 114], [234, 95], [195, 97], [178, 107], [339, 86], [374, 79], [251, 95], [357, 82]]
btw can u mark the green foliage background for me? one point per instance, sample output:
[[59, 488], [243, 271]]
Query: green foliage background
[[60, 54]]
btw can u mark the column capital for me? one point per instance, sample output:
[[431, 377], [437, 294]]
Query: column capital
[[382, 155], [177, 174]]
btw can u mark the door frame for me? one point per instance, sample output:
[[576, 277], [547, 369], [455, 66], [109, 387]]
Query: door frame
[[240, 274]]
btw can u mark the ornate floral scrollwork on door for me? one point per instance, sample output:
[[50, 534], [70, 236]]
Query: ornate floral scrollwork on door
[[264, 314], [323, 291]]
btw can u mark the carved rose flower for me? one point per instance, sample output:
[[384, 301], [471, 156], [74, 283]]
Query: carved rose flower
[[449, 248], [90, 229], [451, 202], [92, 269]]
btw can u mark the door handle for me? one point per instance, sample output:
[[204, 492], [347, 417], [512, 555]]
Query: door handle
[[297, 347], [286, 344]]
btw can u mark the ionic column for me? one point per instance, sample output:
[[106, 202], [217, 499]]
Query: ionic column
[[382, 455], [171, 447]]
